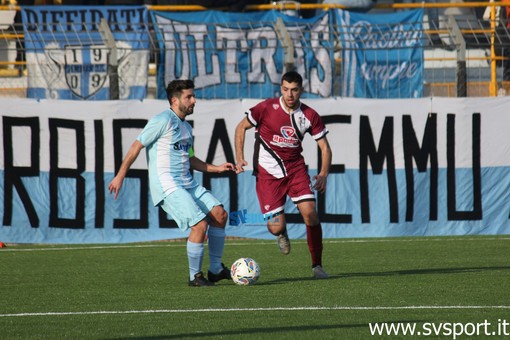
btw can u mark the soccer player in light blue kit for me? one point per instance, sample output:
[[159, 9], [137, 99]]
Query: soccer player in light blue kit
[[168, 140]]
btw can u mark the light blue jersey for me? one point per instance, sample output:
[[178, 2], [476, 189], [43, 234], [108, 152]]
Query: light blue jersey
[[169, 144]]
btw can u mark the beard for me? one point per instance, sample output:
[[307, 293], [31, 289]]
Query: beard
[[188, 110]]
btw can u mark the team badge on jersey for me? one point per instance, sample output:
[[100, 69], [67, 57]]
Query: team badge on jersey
[[276, 106]]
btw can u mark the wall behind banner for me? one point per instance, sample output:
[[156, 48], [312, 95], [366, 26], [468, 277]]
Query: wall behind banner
[[427, 166]]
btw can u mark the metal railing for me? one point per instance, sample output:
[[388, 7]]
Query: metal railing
[[465, 54]]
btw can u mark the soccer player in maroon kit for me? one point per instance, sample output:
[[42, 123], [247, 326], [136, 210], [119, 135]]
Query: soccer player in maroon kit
[[280, 126]]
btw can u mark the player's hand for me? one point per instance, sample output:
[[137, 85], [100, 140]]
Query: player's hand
[[320, 183], [226, 167], [240, 166], [115, 186]]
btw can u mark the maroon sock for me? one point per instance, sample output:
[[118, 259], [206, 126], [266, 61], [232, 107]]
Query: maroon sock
[[314, 238]]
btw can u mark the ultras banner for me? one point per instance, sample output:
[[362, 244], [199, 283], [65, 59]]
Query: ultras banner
[[429, 166], [243, 55], [68, 56]]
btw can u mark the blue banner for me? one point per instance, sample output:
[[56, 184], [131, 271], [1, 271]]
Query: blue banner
[[243, 55], [382, 54], [69, 58]]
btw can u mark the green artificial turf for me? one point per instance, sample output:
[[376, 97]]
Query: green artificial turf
[[139, 291]]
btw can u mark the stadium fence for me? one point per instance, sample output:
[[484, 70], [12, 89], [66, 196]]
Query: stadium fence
[[465, 47]]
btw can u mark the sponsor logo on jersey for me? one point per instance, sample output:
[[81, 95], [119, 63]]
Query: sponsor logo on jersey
[[287, 131], [183, 147], [287, 138]]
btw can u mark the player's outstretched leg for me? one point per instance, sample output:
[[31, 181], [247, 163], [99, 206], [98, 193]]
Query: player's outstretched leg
[[216, 240]]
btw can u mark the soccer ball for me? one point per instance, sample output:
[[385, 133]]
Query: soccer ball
[[245, 271]]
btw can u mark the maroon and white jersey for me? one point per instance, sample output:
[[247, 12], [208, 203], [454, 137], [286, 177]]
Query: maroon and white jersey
[[279, 135]]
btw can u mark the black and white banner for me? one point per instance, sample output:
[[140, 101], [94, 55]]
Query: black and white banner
[[430, 166]]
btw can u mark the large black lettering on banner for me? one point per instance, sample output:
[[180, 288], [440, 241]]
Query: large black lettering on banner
[[141, 175], [57, 173], [99, 173], [367, 150], [13, 174], [220, 135], [335, 169], [421, 155], [453, 213]]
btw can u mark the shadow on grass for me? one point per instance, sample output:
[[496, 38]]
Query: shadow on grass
[[426, 271], [270, 331]]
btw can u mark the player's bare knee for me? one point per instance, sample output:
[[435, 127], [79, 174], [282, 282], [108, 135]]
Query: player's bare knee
[[218, 217], [311, 218], [276, 227], [198, 231], [222, 220], [200, 227]]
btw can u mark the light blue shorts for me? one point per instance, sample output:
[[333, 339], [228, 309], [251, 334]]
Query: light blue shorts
[[187, 207]]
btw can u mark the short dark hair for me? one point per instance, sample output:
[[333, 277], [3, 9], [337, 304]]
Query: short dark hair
[[293, 77], [175, 87]]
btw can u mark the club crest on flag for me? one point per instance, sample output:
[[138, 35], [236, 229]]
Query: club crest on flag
[[86, 69]]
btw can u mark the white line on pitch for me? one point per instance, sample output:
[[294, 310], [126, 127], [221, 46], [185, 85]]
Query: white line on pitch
[[259, 242], [268, 309]]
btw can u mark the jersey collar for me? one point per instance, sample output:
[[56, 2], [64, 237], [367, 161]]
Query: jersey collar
[[285, 108], [175, 114]]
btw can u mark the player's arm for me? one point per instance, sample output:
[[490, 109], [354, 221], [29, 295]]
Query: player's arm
[[199, 165], [129, 159], [240, 137], [322, 176]]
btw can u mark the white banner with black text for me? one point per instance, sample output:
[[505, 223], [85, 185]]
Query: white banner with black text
[[401, 167]]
